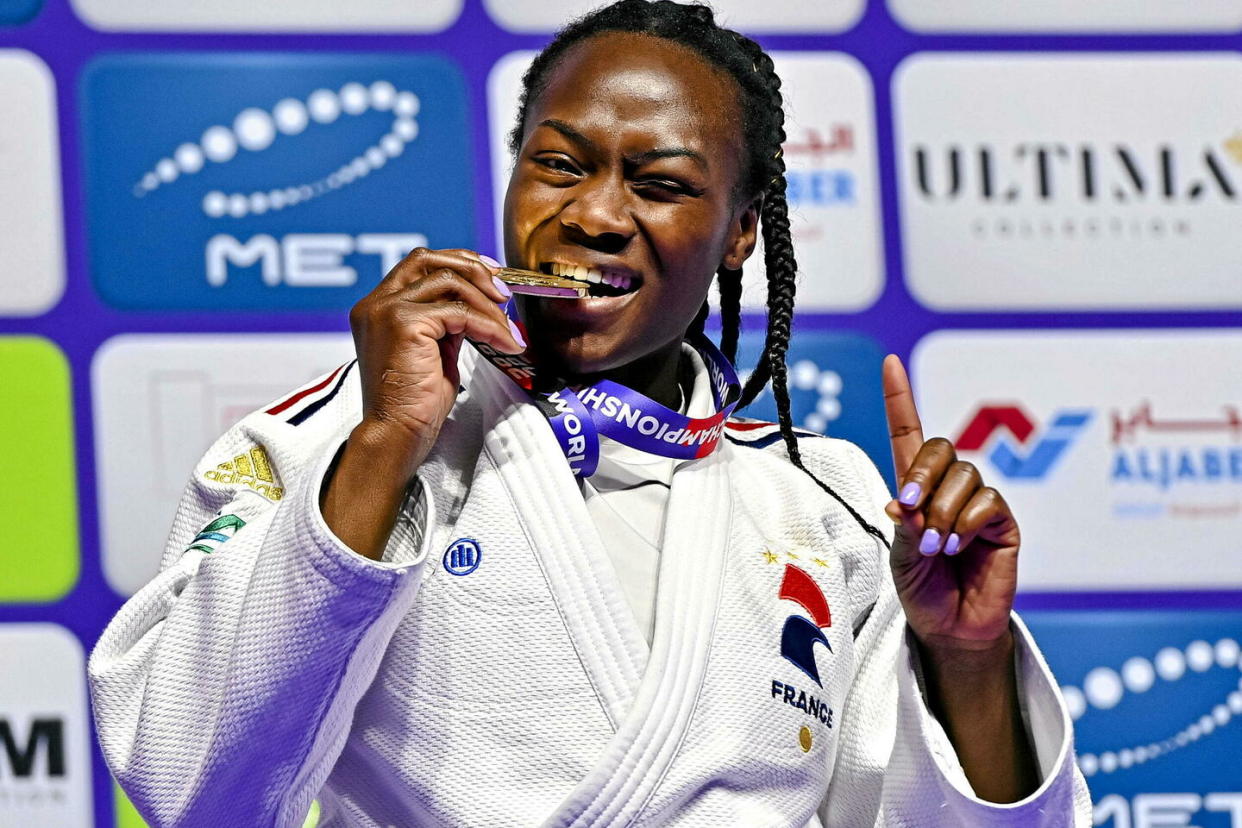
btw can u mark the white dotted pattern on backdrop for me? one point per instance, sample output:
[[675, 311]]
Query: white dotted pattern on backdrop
[[256, 130], [1103, 688]]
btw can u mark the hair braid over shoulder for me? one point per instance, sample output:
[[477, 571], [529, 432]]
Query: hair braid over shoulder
[[782, 271], [730, 284]]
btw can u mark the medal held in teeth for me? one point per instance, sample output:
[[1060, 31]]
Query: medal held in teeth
[[541, 284], [573, 282]]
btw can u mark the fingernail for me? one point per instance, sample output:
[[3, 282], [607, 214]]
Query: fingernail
[[951, 543], [502, 287], [517, 335], [488, 260], [930, 543], [910, 494]]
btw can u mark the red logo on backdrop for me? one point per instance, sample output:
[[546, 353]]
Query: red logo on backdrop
[[1017, 451]]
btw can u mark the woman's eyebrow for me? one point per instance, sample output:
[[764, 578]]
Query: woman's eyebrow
[[570, 133], [668, 152], [641, 158]]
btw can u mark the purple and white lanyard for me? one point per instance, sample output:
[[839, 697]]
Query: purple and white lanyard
[[578, 417]]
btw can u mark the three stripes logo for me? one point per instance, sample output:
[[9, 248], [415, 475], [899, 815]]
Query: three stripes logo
[[463, 556], [800, 635], [251, 469]]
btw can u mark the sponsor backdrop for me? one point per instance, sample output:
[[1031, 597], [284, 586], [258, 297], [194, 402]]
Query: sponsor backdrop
[[1035, 204]]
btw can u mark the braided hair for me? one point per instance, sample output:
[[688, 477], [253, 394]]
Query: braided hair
[[693, 26]]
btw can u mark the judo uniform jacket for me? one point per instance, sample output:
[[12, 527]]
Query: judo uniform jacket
[[488, 672]]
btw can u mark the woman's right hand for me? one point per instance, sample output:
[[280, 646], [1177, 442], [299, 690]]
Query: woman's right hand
[[408, 333]]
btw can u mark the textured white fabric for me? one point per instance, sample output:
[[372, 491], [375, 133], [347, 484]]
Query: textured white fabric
[[627, 499], [240, 684], [627, 503]]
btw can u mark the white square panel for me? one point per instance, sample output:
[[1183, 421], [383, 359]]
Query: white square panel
[[741, 15], [1120, 452], [43, 713], [32, 260], [161, 400], [283, 16], [1086, 182], [1069, 15]]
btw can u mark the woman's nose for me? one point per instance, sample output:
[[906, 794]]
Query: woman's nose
[[599, 215]]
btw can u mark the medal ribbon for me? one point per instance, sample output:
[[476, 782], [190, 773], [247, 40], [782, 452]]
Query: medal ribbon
[[578, 417]]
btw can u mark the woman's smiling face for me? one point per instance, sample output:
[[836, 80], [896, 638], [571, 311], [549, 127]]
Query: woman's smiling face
[[628, 167]]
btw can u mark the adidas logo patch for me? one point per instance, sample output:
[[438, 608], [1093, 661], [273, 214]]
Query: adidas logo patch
[[251, 469]]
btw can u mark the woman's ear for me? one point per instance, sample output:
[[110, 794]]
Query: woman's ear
[[744, 234]]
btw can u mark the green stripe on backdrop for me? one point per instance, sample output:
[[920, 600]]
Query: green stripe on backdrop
[[128, 817]]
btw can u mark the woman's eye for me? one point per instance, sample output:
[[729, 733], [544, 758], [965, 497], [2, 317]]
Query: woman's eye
[[664, 186], [556, 163]]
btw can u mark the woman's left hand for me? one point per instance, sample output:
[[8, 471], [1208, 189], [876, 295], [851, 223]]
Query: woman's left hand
[[955, 564], [955, 555]]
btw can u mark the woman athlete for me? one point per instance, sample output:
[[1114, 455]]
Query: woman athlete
[[442, 623]]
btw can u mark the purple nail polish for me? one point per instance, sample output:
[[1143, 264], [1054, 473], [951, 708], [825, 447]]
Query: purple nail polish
[[910, 494], [930, 543], [951, 543], [517, 335], [488, 260], [502, 287]]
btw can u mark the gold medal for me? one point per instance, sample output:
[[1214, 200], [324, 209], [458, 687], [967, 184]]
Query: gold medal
[[541, 284]]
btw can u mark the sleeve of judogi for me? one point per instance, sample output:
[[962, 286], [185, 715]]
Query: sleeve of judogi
[[896, 765], [223, 690]]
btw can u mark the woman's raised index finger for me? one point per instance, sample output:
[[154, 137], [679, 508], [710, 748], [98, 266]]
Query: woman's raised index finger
[[905, 430]]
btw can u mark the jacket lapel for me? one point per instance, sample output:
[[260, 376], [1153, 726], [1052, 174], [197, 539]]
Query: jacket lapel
[[691, 575], [552, 514]]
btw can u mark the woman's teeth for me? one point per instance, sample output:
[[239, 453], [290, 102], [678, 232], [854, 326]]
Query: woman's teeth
[[582, 273]]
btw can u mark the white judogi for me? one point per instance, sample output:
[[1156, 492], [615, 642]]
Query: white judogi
[[244, 681]]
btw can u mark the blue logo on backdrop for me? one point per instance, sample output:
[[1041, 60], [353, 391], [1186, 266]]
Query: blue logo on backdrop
[[16, 12], [834, 388], [269, 181], [463, 556], [1157, 702]]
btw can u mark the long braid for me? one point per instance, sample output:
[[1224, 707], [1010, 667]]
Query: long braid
[[730, 284], [782, 270], [776, 237], [700, 320], [763, 173]]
